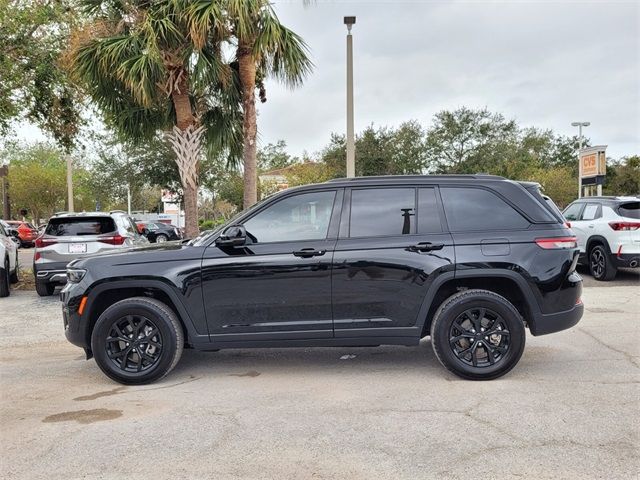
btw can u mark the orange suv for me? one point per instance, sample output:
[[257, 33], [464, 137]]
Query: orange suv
[[26, 232]]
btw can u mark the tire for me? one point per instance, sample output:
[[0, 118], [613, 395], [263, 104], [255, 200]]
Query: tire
[[123, 320], [161, 238], [13, 278], [45, 289], [600, 265], [4, 279], [469, 357]]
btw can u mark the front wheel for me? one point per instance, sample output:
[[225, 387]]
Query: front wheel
[[600, 264], [45, 289], [137, 340], [161, 238], [478, 335]]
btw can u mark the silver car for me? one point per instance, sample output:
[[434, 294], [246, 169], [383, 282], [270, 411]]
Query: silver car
[[72, 235]]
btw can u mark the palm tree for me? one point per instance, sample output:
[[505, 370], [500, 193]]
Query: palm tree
[[158, 66], [264, 48]]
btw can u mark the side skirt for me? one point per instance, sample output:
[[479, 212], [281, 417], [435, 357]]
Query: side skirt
[[313, 342]]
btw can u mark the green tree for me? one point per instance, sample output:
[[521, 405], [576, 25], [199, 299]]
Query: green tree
[[159, 66], [264, 48], [623, 177], [37, 180], [33, 85], [274, 156]]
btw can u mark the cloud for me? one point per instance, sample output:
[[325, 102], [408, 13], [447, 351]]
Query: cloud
[[545, 64]]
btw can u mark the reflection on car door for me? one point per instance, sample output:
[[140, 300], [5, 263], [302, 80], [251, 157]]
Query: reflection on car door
[[391, 241], [277, 286]]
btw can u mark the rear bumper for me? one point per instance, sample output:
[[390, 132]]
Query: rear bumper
[[626, 260], [51, 272], [556, 322]]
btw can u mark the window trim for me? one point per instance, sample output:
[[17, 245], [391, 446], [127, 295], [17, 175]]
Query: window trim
[[337, 193], [492, 192]]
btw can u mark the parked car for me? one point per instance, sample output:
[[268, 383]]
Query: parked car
[[73, 235], [26, 232], [608, 233], [11, 232], [160, 232], [468, 260], [8, 261]]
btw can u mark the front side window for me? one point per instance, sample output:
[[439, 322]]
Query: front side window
[[572, 212], [379, 212], [299, 217], [475, 209]]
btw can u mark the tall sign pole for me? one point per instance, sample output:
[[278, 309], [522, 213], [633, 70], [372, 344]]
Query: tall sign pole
[[580, 125], [351, 146]]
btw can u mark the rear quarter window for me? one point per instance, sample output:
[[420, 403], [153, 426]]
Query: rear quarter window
[[629, 210], [475, 209], [70, 227]]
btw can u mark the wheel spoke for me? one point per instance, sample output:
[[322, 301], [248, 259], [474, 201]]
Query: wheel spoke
[[489, 349], [139, 363], [125, 359], [474, 355]]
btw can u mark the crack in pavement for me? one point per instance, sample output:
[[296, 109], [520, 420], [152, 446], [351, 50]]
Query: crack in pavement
[[632, 359]]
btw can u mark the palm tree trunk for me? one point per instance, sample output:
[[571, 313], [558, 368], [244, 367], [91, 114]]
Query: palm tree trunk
[[186, 141], [247, 71]]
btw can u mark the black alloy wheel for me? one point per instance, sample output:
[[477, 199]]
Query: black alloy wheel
[[134, 343], [479, 337], [478, 334], [600, 265]]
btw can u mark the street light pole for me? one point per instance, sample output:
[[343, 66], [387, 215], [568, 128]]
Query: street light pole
[[69, 183], [351, 146], [580, 125]]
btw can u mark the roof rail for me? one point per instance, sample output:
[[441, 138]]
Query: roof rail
[[386, 177], [116, 211], [59, 213]]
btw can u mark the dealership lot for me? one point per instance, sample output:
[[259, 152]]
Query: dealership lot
[[568, 410]]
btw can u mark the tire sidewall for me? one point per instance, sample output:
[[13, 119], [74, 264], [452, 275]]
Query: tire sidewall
[[512, 319], [115, 313]]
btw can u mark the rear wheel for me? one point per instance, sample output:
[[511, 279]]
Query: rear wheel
[[161, 238], [4, 279], [45, 289], [13, 278], [137, 340], [600, 264], [478, 335]]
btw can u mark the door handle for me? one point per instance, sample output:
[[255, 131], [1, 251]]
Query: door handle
[[426, 247], [591, 226], [309, 252]]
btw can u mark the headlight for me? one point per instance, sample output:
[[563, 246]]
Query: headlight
[[74, 275]]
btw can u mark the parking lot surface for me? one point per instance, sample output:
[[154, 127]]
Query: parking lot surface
[[568, 410]]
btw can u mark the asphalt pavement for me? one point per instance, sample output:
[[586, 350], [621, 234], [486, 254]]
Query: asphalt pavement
[[568, 410]]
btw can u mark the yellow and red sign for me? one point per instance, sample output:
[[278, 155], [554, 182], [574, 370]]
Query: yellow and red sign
[[593, 162]]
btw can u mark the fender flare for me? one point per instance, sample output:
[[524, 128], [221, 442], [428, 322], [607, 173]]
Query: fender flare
[[532, 303], [192, 335], [599, 239]]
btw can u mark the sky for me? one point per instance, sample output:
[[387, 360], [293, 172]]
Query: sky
[[543, 63]]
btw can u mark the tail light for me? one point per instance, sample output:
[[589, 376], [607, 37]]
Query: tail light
[[557, 242], [42, 242], [618, 226], [116, 239]]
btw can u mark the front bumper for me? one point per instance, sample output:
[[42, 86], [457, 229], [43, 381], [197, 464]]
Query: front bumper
[[75, 329]]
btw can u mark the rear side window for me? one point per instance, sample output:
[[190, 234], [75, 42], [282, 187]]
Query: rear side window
[[70, 227], [472, 209], [380, 212], [591, 211], [629, 210]]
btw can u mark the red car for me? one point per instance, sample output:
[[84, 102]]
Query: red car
[[26, 232]]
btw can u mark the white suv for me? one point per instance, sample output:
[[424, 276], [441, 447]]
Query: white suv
[[608, 232], [72, 235], [8, 261]]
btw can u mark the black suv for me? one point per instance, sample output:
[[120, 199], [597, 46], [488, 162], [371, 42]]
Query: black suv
[[468, 260]]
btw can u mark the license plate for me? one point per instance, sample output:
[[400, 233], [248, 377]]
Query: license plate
[[77, 248]]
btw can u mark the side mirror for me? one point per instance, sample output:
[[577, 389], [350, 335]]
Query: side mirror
[[233, 236]]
